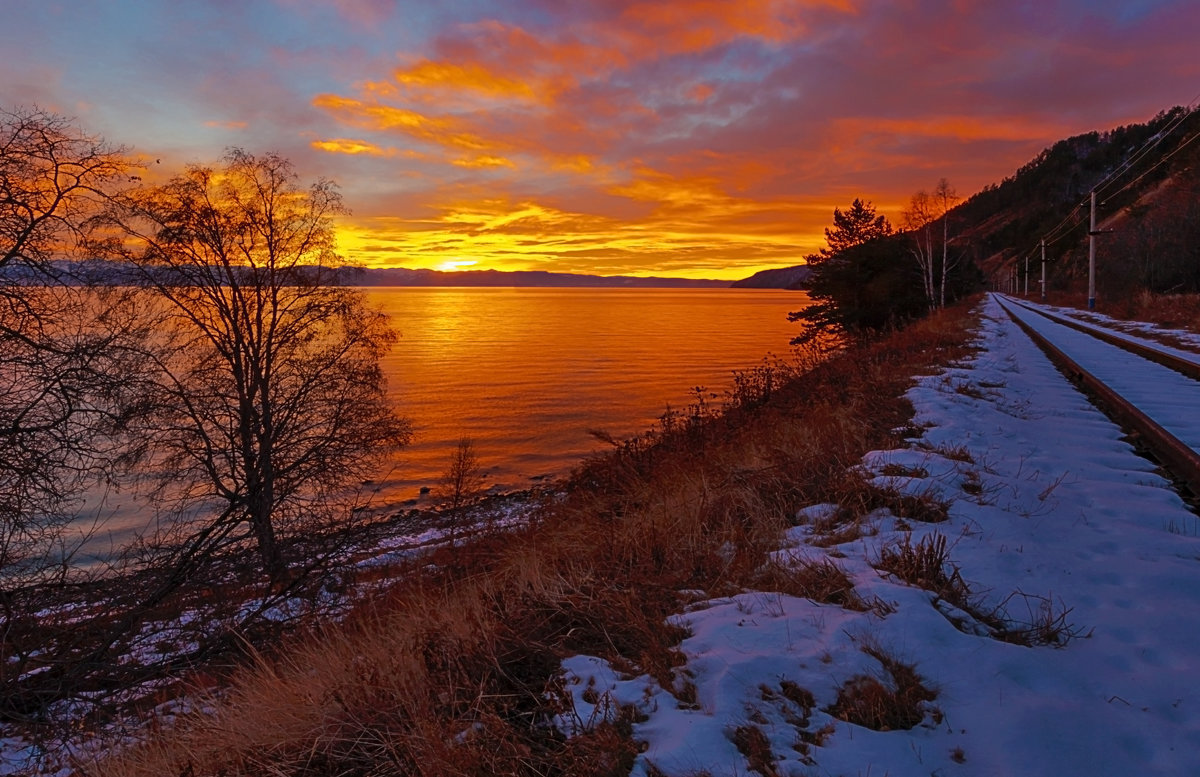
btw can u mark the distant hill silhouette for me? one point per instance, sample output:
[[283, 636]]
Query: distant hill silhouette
[[104, 272], [524, 278], [778, 278]]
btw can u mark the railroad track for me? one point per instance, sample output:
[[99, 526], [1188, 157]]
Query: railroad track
[[1151, 392]]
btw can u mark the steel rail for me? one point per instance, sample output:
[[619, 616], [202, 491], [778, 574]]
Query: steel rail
[[1172, 453], [1183, 366]]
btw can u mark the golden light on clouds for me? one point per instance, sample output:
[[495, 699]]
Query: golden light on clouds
[[349, 146], [696, 137], [469, 76], [485, 160], [441, 130], [452, 265], [507, 235]]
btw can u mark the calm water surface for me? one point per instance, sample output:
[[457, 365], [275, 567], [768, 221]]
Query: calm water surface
[[526, 373]]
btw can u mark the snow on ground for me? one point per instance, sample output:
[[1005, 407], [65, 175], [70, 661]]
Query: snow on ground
[[1054, 519], [1166, 396], [1187, 344]]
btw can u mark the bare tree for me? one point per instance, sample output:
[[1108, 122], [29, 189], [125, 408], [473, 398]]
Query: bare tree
[[945, 197], [461, 484], [918, 220], [920, 217], [60, 401], [265, 397], [463, 479]]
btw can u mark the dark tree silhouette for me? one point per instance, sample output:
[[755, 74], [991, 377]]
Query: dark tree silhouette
[[857, 225], [61, 395], [858, 285], [265, 401]]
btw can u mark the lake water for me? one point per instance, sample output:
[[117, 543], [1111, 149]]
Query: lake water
[[526, 373]]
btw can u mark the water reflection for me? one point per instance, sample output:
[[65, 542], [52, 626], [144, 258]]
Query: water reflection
[[527, 373]]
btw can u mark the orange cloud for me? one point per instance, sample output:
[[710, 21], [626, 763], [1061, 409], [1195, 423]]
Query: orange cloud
[[226, 124], [470, 76], [350, 146], [959, 127], [701, 92], [442, 130], [681, 26], [575, 163], [483, 161]]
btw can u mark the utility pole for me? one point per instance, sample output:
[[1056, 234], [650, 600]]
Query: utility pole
[[1026, 276], [1043, 269], [1092, 256]]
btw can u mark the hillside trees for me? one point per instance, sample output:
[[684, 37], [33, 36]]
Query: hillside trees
[[264, 401], [62, 397]]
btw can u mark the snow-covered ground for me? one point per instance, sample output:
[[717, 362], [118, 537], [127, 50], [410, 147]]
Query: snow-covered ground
[[1053, 519], [1179, 342]]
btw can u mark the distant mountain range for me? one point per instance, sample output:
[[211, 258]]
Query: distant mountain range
[[524, 278], [98, 271]]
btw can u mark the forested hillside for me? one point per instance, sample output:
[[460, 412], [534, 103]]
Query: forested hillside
[[1146, 177], [1147, 183]]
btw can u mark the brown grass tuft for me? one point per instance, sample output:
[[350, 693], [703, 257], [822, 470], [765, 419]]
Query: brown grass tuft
[[820, 580], [925, 565], [895, 699], [1045, 622], [752, 743]]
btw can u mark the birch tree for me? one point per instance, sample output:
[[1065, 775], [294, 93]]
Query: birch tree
[[933, 257], [945, 197], [918, 219]]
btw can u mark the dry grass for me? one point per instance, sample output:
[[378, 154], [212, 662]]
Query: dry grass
[[820, 580], [752, 743], [925, 565], [455, 670], [1044, 621], [896, 698], [857, 499], [1175, 311], [1020, 619]]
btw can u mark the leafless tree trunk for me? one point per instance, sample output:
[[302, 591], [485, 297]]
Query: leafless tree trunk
[[461, 484]]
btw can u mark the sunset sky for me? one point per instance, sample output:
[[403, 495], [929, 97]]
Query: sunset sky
[[693, 138]]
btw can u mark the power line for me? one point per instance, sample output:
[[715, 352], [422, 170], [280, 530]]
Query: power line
[[1071, 220], [1146, 148], [1183, 144]]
